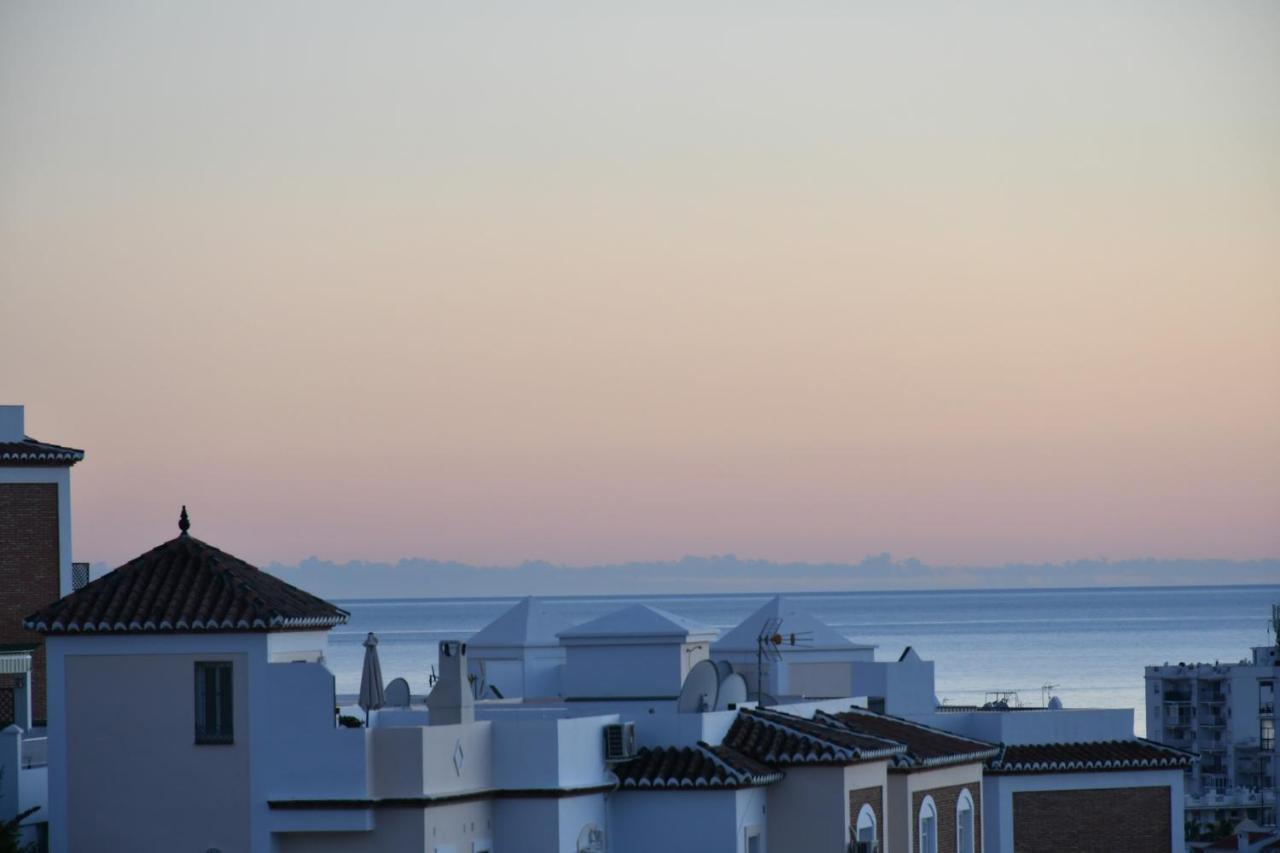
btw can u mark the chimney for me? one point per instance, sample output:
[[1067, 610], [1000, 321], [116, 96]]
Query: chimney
[[450, 701], [11, 423]]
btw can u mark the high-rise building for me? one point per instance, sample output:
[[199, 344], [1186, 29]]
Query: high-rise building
[[1226, 713]]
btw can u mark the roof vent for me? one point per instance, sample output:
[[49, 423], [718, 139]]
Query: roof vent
[[619, 741], [79, 575]]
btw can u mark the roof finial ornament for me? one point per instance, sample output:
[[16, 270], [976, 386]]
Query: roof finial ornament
[[184, 523]]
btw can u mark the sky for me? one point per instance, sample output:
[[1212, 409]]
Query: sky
[[973, 284]]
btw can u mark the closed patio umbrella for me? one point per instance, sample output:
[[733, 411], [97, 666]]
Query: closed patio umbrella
[[371, 692]]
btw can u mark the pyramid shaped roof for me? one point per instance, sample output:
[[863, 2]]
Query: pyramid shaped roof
[[186, 585], [795, 620], [639, 621], [528, 622]]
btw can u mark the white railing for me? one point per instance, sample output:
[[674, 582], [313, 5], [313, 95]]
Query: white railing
[[1232, 798], [35, 752]]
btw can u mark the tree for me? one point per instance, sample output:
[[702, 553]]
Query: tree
[[9, 831]]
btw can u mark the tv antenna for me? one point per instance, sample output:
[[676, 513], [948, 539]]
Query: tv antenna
[[1002, 699], [769, 643], [1275, 623]]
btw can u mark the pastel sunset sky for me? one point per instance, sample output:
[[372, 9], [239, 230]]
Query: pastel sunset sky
[[972, 283]]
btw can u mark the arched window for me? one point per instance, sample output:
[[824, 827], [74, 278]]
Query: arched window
[[865, 828], [928, 826], [964, 822]]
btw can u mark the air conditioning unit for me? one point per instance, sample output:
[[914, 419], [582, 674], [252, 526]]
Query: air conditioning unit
[[619, 741]]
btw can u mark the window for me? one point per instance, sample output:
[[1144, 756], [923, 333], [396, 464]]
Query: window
[[213, 702], [964, 822], [864, 829], [928, 826], [1267, 734]]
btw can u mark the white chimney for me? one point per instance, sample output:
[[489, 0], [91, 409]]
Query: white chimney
[[11, 423], [450, 701]]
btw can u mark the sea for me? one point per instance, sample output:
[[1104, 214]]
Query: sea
[[1090, 645]]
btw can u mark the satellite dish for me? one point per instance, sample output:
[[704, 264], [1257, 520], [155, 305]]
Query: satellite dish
[[701, 687], [724, 668], [397, 694], [733, 691]]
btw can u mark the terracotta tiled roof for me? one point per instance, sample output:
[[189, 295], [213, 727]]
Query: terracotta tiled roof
[[31, 452], [700, 766], [183, 586], [925, 745], [1092, 756], [776, 738], [1230, 842]]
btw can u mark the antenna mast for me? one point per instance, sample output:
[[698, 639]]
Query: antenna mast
[[767, 642]]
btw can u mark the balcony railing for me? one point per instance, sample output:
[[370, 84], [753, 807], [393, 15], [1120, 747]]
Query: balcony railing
[[1232, 797], [1177, 696], [35, 752]]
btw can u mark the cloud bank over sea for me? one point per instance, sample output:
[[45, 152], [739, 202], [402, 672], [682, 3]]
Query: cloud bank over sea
[[419, 577]]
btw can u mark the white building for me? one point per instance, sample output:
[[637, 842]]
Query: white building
[[518, 654], [639, 654], [190, 708], [816, 661], [1226, 713], [35, 568]]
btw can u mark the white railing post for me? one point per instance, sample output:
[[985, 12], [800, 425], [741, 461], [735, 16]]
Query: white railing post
[[10, 767]]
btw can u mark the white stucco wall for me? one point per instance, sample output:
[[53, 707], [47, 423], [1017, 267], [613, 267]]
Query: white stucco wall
[[631, 670], [140, 689], [1069, 725], [532, 671], [305, 756], [575, 814], [686, 821], [557, 753], [813, 672], [807, 810], [136, 779], [528, 824], [417, 761]]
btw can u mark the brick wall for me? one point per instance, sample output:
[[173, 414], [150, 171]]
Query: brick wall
[[945, 799], [28, 570], [1101, 820], [867, 796]]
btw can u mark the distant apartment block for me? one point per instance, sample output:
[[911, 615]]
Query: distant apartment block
[[1226, 713]]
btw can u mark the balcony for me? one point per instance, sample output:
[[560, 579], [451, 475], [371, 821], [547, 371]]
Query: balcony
[[35, 752], [1231, 798], [1177, 697]]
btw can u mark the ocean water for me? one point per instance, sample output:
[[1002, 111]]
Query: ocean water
[[1092, 644]]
